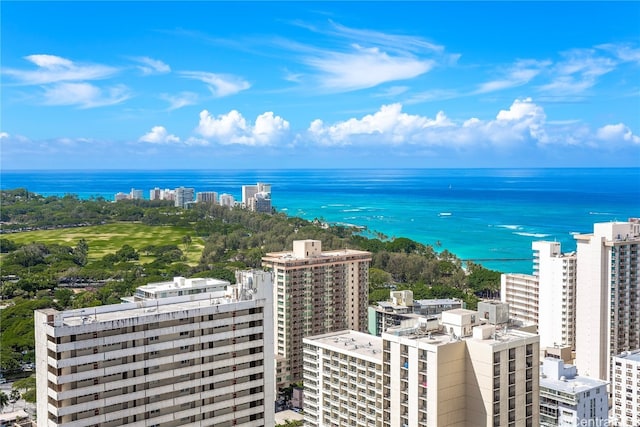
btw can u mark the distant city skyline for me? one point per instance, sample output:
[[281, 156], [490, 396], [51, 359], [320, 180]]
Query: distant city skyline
[[174, 85]]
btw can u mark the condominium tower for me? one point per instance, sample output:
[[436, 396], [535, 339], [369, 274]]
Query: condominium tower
[[462, 374], [315, 292], [607, 295], [343, 380], [547, 297], [197, 360], [625, 388]]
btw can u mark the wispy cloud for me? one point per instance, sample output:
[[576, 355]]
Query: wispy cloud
[[577, 72], [151, 66], [180, 100], [345, 71], [232, 128], [518, 74], [220, 85], [53, 69], [159, 135], [84, 95]]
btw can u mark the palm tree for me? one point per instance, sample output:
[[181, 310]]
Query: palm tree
[[4, 400]]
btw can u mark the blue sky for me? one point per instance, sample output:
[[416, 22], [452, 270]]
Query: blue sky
[[178, 85]]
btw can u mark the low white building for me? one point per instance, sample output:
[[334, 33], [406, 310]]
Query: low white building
[[625, 388], [179, 286], [567, 399]]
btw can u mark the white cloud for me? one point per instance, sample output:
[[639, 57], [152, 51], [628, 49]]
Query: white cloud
[[219, 85], [84, 95], [53, 69], [616, 133], [624, 52], [4, 135], [232, 128], [578, 72], [518, 74], [180, 100], [159, 135], [363, 68], [152, 66], [523, 121]]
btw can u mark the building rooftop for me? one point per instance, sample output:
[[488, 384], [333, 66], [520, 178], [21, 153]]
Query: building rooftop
[[442, 301], [113, 312], [183, 283], [574, 385], [351, 342], [633, 356]]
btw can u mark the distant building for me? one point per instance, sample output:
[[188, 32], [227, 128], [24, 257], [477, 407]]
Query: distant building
[[567, 399], [625, 388], [207, 197], [121, 196], [315, 292], [195, 360], [343, 379], [257, 197], [608, 295], [227, 200], [155, 194], [136, 194], [184, 196]]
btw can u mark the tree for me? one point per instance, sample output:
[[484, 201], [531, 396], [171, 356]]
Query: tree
[[4, 400], [81, 251], [28, 388], [186, 241]]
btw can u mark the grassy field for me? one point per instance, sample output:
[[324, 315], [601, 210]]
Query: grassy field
[[104, 239]]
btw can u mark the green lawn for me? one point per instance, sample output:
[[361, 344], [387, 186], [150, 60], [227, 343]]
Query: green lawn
[[104, 239]]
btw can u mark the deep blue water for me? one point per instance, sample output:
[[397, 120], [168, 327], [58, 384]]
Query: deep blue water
[[491, 214]]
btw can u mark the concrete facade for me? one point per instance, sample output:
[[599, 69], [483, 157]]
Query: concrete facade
[[343, 380], [607, 295], [315, 292], [625, 388], [198, 360], [483, 376], [567, 399]]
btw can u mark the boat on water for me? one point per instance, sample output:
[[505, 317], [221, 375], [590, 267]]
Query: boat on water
[[444, 214]]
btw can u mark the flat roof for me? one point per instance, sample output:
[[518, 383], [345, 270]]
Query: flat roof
[[351, 342], [577, 384], [108, 313], [182, 283], [633, 356]]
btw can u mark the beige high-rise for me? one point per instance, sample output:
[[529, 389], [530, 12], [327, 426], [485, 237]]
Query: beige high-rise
[[315, 292]]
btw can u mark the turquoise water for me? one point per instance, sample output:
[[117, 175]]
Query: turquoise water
[[490, 215]]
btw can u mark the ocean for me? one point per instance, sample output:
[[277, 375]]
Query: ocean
[[490, 216]]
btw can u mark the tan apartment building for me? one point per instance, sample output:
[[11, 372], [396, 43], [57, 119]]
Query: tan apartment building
[[464, 373], [196, 360], [315, 292]]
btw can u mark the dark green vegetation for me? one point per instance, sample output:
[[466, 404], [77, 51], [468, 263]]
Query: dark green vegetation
[[64, 252]]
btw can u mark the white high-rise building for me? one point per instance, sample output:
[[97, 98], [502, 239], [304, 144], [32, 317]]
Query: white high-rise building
[[198, 360], [607, 295], [520, 291], [183, 196], [556, 273], [567, 399], [343, 380], [179, 286], [625, 388], [257, 197], [227, 200]]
